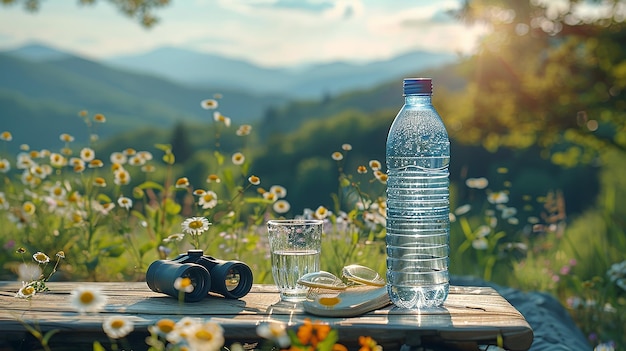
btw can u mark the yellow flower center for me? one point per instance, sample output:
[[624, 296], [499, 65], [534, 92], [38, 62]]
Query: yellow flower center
[[117, 324], [73, 197], [185, 282], [77, 218], [195, 224], [99, 181], [276, 331], [204, 335], [29, 208], [87, 297], [166, 325]]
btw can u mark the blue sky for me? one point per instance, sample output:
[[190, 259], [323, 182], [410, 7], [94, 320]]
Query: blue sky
[[266, 32]]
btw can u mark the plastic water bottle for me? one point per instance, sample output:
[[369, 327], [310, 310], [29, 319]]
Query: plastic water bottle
[[418, 222]]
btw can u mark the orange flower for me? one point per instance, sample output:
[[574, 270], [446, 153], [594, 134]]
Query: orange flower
[[368, 344], [312, 333]]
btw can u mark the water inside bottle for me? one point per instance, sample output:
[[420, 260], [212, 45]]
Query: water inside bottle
[[418, 232]]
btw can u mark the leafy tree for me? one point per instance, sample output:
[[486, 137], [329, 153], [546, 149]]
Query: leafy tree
[[140, 10], [548, 74]]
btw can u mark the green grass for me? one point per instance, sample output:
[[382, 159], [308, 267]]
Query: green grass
[[535, 247]]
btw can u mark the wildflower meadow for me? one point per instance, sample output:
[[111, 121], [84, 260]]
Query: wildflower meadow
[[73, 213]]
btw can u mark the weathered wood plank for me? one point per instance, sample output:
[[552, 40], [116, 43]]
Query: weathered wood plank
[[471, 314]]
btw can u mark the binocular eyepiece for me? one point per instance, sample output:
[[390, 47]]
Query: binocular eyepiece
[[231, 279]]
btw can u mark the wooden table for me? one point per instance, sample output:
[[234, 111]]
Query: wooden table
[[471, 316]]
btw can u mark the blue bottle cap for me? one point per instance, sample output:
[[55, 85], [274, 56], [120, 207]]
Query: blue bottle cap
[[414, 86]]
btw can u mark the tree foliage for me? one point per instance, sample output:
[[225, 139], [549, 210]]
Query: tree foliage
[[548, 73], [139, 10]]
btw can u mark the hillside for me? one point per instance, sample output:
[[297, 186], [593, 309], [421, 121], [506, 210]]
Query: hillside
[[385, 96], [49, 93], [42, 89]]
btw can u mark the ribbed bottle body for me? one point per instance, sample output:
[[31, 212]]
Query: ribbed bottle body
[[418, 224]]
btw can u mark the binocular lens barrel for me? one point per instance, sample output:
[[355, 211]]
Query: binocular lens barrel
[[162, 274], [231, 279]]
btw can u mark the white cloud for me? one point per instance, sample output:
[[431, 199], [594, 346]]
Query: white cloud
[[270, 32]]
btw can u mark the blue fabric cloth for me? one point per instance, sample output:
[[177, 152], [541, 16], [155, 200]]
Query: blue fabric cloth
[[553, 327]]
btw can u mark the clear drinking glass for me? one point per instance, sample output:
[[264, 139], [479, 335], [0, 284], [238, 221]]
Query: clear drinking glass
[[295, 247]]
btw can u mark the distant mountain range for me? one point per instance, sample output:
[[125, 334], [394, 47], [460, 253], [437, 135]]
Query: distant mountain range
[[42, 88], [313, 81], [196, 69]]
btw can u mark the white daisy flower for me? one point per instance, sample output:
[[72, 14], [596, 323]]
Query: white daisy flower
[[125, 202], [281, 206], [461, 210], [321, 212], [5, 165], [117, 327], [254, 180], [87, 154], [238, 158], [375, 165], [208, 200], [477, 183], [499, 197], [280, 191], [41, 257], [218, 117], [209, 104], [26, 291], [119, 158], [195, 225], [183, 284], [275, 332], [122, 177], [208, 336], [162, 327], [87, 299]]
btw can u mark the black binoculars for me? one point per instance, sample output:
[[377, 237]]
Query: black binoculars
[[231, 279]]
